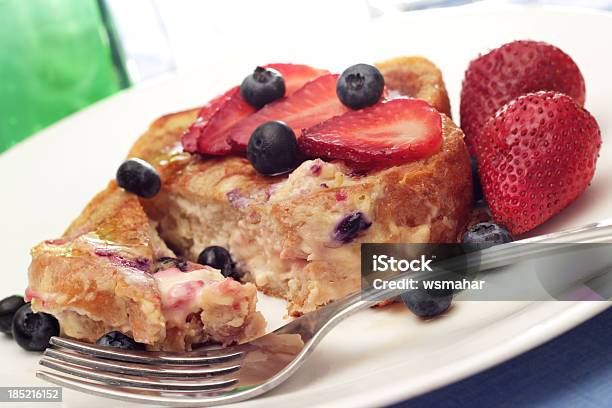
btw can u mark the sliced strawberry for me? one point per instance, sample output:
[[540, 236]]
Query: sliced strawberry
[[296, 75], [388, 133], [212, 138], [208, 134], [313, 103], [191, 136]]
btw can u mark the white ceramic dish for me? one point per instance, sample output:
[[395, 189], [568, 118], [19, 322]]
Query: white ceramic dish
[[377, 357]]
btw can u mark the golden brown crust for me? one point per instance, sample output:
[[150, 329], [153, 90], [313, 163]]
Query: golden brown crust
[[416, 77], [441, 181], [160, 144], [117, 216]]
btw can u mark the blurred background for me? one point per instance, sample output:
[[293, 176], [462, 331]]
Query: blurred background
[[59, 56]]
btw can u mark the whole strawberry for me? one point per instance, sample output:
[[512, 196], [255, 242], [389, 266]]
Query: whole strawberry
[[512, 70], [535, 157]]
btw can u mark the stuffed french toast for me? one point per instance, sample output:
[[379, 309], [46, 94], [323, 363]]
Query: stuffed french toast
[[267, 186]]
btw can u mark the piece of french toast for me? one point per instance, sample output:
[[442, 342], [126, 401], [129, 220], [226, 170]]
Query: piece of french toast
[[279, 229], [416, 77], [99, 277]]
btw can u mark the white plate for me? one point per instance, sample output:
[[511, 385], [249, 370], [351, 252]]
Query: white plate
[[379, 356]]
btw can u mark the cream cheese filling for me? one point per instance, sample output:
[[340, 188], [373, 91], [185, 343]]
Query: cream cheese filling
[[181, 292]]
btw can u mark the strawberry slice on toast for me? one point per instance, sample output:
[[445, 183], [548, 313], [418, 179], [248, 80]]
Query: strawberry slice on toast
[[208, 134], [189, 139], [389, 133], [313, 103]]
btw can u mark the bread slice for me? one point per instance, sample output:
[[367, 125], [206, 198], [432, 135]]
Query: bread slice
[[279, 229], [99, 277], [417, 77]]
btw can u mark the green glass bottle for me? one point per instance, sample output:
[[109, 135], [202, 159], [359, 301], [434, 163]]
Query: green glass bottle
[[56, 57]]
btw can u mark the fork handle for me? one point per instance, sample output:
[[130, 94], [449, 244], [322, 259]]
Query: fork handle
[[494, 257]]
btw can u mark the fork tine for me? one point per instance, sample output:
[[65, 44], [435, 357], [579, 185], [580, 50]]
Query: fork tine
[[203, 357], [129, 368], [136, 382]]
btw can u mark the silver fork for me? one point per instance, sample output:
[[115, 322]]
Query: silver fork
[[208, 377]]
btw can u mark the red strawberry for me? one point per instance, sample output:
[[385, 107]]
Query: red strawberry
[[388, 133], [296, 75], [210, 129], [313, 103], [212, 133], [190, 137], [535, 157], [510, 71]]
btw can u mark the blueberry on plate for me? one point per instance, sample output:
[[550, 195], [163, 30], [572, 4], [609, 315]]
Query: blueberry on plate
[[119, 340], [485, 235], [478, 196], [219, 258], [424, 304], [138, 177], [273, 149], [32, 331], [360, 86], [263, 86], [8, 307]]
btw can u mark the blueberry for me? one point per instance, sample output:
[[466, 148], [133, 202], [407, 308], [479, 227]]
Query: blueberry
[[8, 307], [360, 85], [476, 180], [484, 235], [263, 86], [119, 340], [273, 149], [349, 226], [32, 331], [167, 262], [218, 258], [424, 304], [138, 177]]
